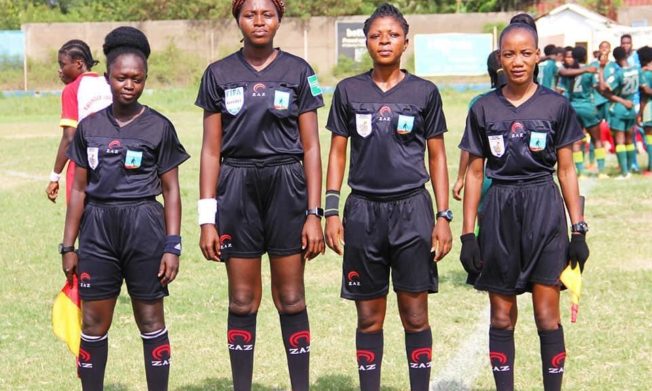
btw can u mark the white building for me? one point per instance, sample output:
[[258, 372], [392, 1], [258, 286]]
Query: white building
[[574, 25]]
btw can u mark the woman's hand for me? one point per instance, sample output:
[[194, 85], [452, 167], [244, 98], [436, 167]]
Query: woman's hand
[[169, 268], [312, 238], [209, 242], [69, 262], [442, 239], [335, 234]]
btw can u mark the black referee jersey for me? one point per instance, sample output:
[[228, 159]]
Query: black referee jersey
[[388, 130], [520, 143], [124, 163], [260, 109]]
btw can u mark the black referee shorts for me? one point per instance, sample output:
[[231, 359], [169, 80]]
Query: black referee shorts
[[261, 207], [121, 240], [384, 234], [523, 236]]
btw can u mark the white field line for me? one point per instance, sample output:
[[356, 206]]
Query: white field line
[[464, 366], [25, 175]]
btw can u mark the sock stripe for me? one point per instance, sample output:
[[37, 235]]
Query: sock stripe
[[154, 334], [92, 338], [578, 157]]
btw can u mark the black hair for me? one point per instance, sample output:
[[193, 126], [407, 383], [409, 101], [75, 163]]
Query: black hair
[[626, 36], [525, 19], [386, 10], [126, 40], [645, 55], [568, 49], [236, 7], [549, 49], [520, 26], [559, 50], [619, 53], [79, 50], [495, 71], [579, 54]]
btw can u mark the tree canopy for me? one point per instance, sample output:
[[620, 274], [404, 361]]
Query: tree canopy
[[15, 12]]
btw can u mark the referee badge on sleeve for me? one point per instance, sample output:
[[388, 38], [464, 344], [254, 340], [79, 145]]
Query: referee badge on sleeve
[[497, 145], [363, 124], [234, 99], [93, 157]]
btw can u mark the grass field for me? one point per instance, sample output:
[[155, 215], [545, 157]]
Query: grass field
[[610, 348]]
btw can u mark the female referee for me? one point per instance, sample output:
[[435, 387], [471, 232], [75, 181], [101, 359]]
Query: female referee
[[390, 116], [126, 155], [85, 92], [260, 184], [522, 130]]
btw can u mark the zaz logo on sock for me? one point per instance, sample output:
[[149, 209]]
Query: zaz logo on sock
[[557, 364], [161, 356], [498, 361], [295, 342], [243, 335], [366, 360], [421, 358]]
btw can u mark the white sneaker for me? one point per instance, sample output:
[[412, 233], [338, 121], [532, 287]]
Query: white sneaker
[[626, 176]]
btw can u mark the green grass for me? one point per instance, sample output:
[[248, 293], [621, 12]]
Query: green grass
[[610, 348]]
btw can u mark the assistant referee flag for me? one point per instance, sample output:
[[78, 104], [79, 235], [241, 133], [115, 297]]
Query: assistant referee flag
[[66, 316]]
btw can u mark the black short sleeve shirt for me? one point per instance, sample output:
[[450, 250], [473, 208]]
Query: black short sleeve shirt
[[125, 163], [520, 143], [260, 109], [388, 131]]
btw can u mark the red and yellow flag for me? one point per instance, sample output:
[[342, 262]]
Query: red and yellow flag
[[67, 316]]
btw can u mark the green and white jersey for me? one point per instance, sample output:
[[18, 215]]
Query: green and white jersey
[[624, 83], [609, 70]]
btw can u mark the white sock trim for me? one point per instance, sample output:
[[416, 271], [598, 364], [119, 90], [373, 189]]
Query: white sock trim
[[154, 334]]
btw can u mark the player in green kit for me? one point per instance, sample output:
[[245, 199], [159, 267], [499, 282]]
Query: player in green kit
[[581, 94], [607, 68], [645, 56], [550, 66], [620, 88]]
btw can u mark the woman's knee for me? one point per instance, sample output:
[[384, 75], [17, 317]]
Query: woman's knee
[[244, 302], [290, 301]]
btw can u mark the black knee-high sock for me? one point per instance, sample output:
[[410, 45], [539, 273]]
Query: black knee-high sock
[[553, 357], [157, 353], [419, 353], [369, 352], [296, 337], [501, 354], [241, 336], [93, 352]]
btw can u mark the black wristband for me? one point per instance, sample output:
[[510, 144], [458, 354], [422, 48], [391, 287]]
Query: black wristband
[[172, 245], [467, 237], [332, 203]]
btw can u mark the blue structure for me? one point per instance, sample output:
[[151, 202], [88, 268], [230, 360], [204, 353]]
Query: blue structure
[[12, 46]]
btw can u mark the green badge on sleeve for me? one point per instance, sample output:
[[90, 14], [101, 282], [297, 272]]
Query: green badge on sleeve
[[315, 89]]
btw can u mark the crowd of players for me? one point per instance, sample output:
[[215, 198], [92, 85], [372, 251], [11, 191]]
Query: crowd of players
[[610, 95]]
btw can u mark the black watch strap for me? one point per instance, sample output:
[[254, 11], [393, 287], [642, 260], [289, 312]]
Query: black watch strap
[[445, 214], [319, 212], [581, 227], [65, 249]]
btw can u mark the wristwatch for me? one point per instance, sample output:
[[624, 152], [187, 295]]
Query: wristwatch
[[65, 249], [319, 212], [581, 227], [446, 214]]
